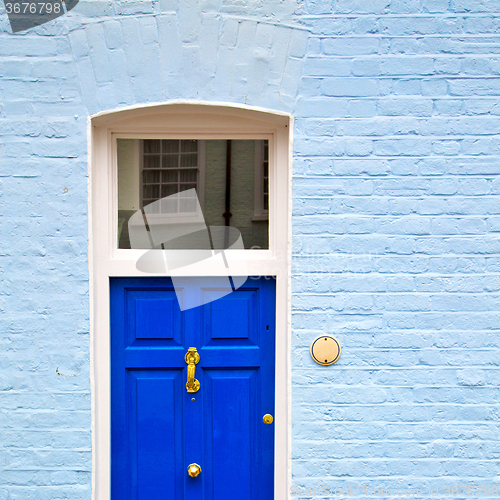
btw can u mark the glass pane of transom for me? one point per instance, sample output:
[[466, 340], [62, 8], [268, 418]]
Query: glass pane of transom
[[169, 189]]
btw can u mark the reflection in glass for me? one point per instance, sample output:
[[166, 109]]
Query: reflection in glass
[[181, 184]]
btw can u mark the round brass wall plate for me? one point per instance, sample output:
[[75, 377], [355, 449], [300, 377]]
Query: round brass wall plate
[[325, 350]]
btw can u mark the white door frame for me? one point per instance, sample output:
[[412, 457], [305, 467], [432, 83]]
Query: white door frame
[[196, 120]]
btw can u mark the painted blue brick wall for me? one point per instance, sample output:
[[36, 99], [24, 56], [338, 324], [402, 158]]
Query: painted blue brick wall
[[395, 196], [396, 222]]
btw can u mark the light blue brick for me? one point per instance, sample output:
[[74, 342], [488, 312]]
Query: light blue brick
[[319, 6], [407, 66], [327, 107], [452, 107], [475, 66], [133, 50], [87, 82], [246, 35], [362, 108], [229, 33], [149, 88], [349, 87], [474, 125], [480, 24], [435, 87], [127, 7], [264, 36], [376, 127], [30, 46], [481, 107], [332, 25], [475, 6], [319, 127], [366, 67], [121, 86], [446, 148], [444, 186], [411, 86], [403, 167], [478, 146], [95, 8], [210, 32], [350, 46], [402, 106], [149, 31], [169, 45], [98, 53], [291, 77], [436, 6], [113, 34], [448, 65], [474, 166], [397, 26], [327, 66], [314, 46], [14, 68], [495, 65], [358, 147], [474, 187], [359, 7], [474, 86], [298, 43], [402, 147]]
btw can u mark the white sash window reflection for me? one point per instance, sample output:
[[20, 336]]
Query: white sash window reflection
[[169, 166]]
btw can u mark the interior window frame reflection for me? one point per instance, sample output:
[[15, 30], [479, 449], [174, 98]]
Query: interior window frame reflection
[[200, 168]]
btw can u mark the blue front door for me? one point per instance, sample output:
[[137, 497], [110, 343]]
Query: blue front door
[[158, 428]]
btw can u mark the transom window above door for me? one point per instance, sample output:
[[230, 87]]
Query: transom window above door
[[175, 187]]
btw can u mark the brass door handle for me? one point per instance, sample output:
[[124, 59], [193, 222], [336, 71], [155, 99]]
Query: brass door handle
[[192, 358]]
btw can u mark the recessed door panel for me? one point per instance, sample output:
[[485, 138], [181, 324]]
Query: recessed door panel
[[158, 427], [232, 320], [153, 316], [231, 431], [155, 431]]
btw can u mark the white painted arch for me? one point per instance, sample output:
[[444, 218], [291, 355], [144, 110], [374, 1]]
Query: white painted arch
[[196, 120]]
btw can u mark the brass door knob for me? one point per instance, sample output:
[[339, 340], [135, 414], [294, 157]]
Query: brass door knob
[[194, 470], [267, 419]]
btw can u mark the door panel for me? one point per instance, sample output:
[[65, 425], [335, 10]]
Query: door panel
[[232, 318], [154, 315], [157, 427], [231, 431], [155, 435]]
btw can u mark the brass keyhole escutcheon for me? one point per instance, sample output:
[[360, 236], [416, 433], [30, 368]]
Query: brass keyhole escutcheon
[[267, 419], [194, 470]]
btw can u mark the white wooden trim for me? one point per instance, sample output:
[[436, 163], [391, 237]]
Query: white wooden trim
[[186, 120]]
